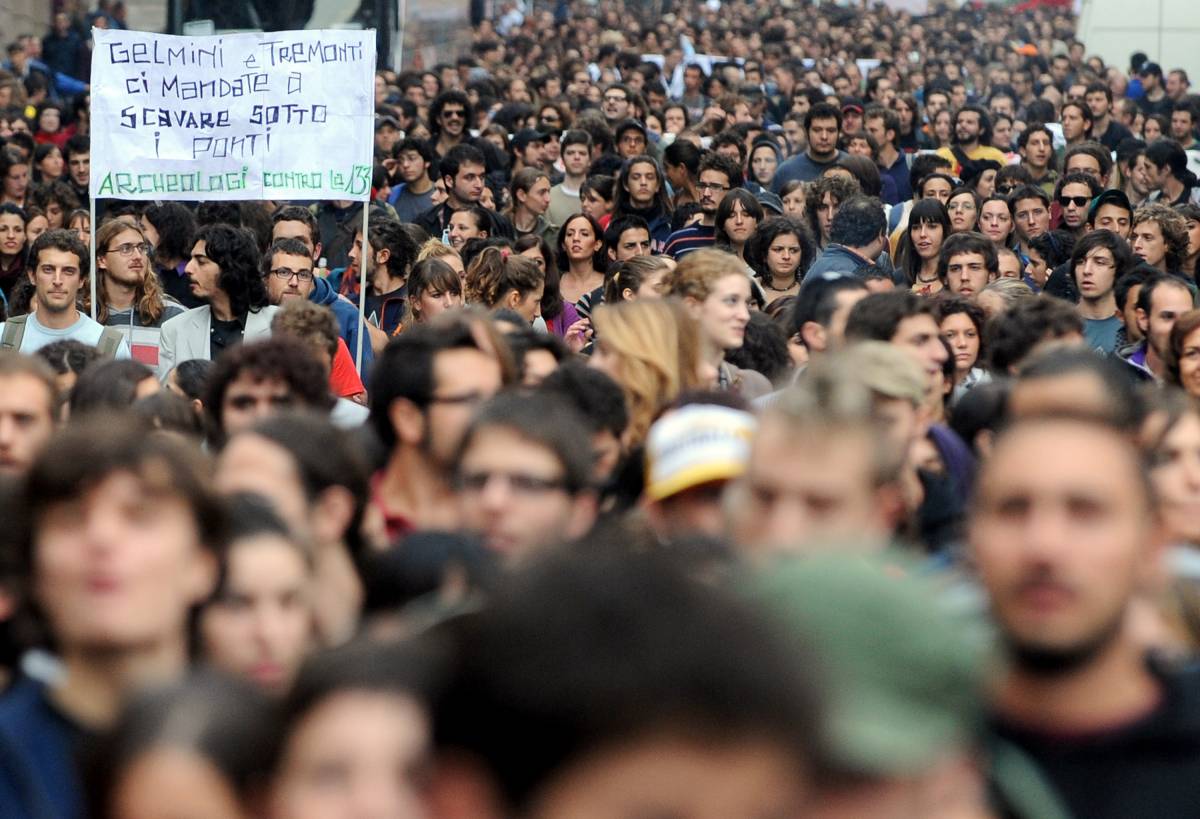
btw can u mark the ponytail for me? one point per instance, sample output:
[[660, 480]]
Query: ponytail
[[496, 271]]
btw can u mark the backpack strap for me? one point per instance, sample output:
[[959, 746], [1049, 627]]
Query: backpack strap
[[110, 342], [14, 333]]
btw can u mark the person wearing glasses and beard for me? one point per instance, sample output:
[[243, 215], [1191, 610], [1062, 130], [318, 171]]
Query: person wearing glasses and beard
[[129, 294]]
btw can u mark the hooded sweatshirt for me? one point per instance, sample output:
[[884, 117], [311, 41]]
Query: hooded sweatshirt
[[347, 315]]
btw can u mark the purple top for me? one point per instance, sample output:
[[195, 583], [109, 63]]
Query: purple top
[[563, 321]]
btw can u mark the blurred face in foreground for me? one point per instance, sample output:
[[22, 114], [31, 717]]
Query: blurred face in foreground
[[513, 493], [355, 754], [665, 776], [1061, 549], [261, 624], [776, 508], [1176, 476]]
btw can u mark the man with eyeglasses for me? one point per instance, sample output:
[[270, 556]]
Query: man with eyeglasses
[[631, 139], [128, 293], [292, 223], [425, 386], [449, 120], [717, 176], [224, 272], [522, 478], [617, 104], [1074, 194], [58, 268], [288, 271]]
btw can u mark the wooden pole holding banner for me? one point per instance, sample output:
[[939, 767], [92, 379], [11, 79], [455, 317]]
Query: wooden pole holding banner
[[92, 250], [403, 26], [363, 256]]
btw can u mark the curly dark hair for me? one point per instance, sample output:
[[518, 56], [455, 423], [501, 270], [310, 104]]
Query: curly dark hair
[[435, 111], [175, 225], [764, 350], [839, 186], [770, 230], [390, 235], [947, 305], [283, 358], [235, 250]]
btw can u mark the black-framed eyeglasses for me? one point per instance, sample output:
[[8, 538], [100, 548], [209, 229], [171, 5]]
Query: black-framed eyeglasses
[[711, 186], [129, 248], [286, 273], [1077, 201]]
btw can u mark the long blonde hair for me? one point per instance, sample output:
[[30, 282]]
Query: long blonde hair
[[658, 346], [148, 301]]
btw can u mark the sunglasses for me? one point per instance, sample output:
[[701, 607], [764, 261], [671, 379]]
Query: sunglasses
[[1077, 201], [454, 114]]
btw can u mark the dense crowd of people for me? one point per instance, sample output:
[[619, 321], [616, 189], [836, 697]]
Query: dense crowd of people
[[758, 410]]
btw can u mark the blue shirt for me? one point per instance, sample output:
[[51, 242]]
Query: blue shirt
[[800, 167], [684, 241], [83, 330], [39, 766], [1101, 334], [898, 173]]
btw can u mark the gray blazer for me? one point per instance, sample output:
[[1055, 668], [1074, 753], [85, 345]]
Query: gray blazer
[[187, 335]]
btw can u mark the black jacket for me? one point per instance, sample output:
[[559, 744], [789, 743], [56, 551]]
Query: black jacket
[[1146, 768]]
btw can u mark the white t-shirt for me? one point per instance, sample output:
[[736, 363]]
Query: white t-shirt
[[83, 330]]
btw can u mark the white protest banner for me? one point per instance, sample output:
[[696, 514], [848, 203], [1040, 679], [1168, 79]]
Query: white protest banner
[[279, 115]]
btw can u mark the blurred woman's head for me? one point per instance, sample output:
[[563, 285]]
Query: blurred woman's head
[[258, 626], [356, 732], [196, 749], [651, 347]]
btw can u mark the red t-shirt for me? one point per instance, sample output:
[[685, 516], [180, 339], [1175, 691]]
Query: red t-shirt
[[343, 377]]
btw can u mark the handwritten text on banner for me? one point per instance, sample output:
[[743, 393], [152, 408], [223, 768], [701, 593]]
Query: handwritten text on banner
[[281, 115]]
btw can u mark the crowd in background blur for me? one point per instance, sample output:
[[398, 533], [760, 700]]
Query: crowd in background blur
[[756, 410]]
